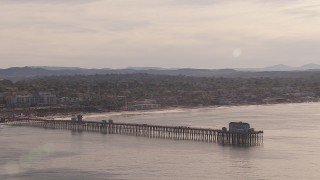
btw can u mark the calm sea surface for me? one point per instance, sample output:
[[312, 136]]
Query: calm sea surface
[[291, 148]]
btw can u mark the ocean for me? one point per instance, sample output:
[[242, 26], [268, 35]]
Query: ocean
[[291, 148]]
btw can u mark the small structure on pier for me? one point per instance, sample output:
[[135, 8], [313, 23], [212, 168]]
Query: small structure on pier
[[77, 118], [110, 121], [240, 127]]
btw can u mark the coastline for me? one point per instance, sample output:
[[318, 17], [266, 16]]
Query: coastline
[[64, 113], [63, 116]]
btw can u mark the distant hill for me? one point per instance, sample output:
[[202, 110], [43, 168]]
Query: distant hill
[[279, 67], [308, 70], [283, 67], [310, 67], [147, 68], [18, 73], [56, 68]]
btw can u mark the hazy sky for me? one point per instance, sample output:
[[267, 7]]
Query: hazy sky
[[163, 33]]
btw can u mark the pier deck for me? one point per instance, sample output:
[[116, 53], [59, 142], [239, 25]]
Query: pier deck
[[146, 130]]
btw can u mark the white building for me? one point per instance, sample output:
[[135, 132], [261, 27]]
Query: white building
[[41, 98], [143, 105]]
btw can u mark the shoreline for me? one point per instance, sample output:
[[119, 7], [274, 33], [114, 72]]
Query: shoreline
[[60, 112], [167, 109]]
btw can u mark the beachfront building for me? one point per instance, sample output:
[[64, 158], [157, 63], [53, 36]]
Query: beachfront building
[[36, 99], [147, 104]]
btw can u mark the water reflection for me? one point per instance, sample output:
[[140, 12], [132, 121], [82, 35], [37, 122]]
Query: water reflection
[[290, 150], [63, 173], [76, 132]]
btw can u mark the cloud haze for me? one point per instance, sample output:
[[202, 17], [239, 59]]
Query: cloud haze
[[166, 33]]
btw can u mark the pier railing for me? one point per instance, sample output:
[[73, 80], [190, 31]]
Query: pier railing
[[146, 130]]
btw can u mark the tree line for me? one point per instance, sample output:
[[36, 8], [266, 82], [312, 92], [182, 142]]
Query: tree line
[[113, 91]]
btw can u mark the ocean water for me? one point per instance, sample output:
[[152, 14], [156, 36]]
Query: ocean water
[[291, 148]]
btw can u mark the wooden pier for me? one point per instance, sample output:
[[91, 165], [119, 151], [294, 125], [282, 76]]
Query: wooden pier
[[151, 131]]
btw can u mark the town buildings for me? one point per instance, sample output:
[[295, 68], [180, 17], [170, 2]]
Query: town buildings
[[143, 105], [27, 99]]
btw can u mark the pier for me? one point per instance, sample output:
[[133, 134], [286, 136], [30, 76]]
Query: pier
[[221, 136]]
